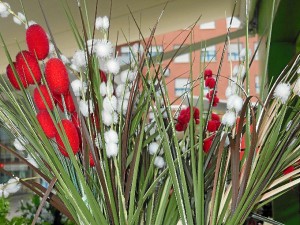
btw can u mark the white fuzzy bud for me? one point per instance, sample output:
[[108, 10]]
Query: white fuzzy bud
[[159, 162], [153, 148], [282, 92], [229, 118]]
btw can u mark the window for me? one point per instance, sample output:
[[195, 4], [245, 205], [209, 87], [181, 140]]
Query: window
[[125, 55], [257, 84], [182, 85], [184, 58], [236, 23], [234, 50], [208, 54], [155, 50], [256, 55], [207, 26]]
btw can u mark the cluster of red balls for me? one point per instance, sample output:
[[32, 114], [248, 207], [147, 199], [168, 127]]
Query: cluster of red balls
[[184, 118], [210, 82], [26, 71]]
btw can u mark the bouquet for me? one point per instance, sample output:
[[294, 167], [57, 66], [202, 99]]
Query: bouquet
[[83, 126]]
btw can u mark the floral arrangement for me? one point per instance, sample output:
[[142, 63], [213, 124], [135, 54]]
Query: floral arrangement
[[82, 124]]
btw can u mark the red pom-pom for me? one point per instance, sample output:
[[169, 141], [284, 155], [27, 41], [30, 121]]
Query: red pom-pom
[[196, 113], [215, 117], [29, 66], [180, 127], [72, 135], [207, 73], [211, 126], [288, 170], [68, 101], [37, 41], [47, 124], [103, 76], [207, 144], [57, 76], [210, 82], [92, 162], [184, 116], [40, 103], [209, 97], [12, 78]]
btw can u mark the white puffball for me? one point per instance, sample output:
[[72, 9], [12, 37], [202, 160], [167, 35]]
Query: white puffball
[[229, 118], [159, 162], [112, 149], [153, 148], [282, 92]]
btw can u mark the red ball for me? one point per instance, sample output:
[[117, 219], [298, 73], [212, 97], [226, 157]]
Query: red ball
[[207, 73], [210, 82], [215, 100], [37, 41], [40, 104], [12, 77], [57, 76], [70, 107], [47, 124], [72, 136], [180, 127], [29, 66], [75, 119], [207, 144], [215, 117]]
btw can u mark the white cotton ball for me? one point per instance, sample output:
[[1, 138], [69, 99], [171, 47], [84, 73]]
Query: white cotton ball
[[19, 19], [103, 49], [107, 118], [111, 136], [77, 87], [120, 90], [12, 186], [98, 23], [91, 43], [159, 162], [124, 75], [3, 193], [128, 76], [228, 92], [79, 59], [113, 66], [115, 118], [127, 95], [98, 141], [242, 71], [235, 70], [229, 118], [112, 149], [110, 104], [235, 102], [4, 7], [20, 143], [86, 107], [296, 88], [282, 92], [103, 89], [153, 148], [105, 23]]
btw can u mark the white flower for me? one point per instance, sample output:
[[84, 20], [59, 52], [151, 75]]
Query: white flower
[[153, 148], [235, 70], [229, 118], [77, 87], [4, 9], [110, 104], [32, 161], [120, 90], [127, 95], [105, 23], [226, 140], [86, 108], [113, 66], [128, 75], [3, 192], [12, 186], [112, 149], [103, 89], [122, 106], [98, 141], [111, 136], [235, 102], [103, 49], [20, 143], [107, 118], [159, 162], [230, 90], [91, 43], [115, 118], [296, 88], [98, 23], [282, 91], [79, 59], [19, 19], [31, 22]]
